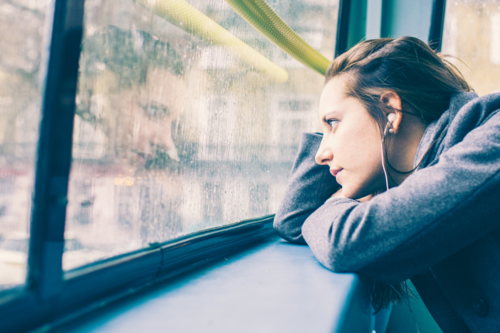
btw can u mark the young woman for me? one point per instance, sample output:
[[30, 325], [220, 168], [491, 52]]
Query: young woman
[[404, 182]]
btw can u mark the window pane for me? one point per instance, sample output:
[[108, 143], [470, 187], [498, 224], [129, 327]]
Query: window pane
[[472, 33], [174, 134], [22, 27]]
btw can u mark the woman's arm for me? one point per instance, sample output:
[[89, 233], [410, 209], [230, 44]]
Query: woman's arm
[[309, 186], [434, 213]]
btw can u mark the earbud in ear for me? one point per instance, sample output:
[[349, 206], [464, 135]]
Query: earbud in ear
[[390, 118]]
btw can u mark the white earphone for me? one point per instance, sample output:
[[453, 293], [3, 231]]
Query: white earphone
[[390, 119]]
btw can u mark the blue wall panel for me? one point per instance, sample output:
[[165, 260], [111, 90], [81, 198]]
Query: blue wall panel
[[406, 18]]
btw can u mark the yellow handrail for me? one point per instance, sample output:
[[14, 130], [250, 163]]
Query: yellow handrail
[[191, 20], [263, 18]]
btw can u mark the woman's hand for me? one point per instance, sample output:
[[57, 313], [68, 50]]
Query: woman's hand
[[339, 194]]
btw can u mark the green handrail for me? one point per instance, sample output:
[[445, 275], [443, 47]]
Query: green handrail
[[191, 20], [265, 20]]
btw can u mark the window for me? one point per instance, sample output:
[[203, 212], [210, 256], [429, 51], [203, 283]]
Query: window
[[472, 33], [173, 134], [293, 115], [21, 39], [259, 199]]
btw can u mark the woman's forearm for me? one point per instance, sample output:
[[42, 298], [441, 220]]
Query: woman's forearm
[[309, 186]]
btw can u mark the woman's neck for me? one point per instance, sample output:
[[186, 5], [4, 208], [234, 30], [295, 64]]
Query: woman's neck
[[402, 148]]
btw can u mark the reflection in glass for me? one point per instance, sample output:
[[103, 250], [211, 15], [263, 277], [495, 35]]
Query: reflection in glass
[[174, 135], [472, 34], [21, 33]]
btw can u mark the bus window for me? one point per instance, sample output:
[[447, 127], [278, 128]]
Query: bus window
[[472, 34], [22, 30], [174, 134]]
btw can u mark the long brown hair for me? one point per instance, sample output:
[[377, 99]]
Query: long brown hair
[[423, 79]]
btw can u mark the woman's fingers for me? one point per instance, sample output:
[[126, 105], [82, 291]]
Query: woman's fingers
[[367, 198], [339, 194]]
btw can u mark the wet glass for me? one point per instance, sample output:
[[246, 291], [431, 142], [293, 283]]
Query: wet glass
[[472, 34], [22, 34], [174, 134]]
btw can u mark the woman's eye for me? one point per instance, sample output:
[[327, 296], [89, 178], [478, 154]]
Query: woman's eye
[[154, 110], [333, 123]]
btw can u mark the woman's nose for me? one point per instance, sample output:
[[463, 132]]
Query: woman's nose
[[324, 155]]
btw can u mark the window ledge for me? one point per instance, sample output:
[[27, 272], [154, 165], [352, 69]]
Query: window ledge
[[274, 286]]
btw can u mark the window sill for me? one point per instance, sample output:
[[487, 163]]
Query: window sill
[[273, 286]]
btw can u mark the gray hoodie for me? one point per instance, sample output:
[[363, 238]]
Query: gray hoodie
[[440, 227]]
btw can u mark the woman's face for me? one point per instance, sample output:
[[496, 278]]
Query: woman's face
[[146, 114], [351, 144]]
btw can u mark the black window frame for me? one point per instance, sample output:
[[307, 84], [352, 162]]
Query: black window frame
[[437, 24]]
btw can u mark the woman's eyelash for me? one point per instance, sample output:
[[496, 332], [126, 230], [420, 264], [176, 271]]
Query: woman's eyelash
[[332, 122]]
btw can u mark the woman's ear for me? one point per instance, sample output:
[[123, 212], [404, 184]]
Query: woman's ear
[[394, 106]]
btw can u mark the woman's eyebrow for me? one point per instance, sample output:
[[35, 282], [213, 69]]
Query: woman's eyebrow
[[329, 114]]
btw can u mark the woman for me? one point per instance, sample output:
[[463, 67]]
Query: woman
[[404, 183]]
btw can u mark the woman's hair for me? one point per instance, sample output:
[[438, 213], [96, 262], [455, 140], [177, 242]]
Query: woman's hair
[[423, 79]]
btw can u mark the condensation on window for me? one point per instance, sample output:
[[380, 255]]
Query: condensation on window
[[472, 35], [174, 134], [22, 33]]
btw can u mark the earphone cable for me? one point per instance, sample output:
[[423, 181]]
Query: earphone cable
[[385, 156]]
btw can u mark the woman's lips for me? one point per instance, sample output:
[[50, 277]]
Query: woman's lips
[[335, 172]]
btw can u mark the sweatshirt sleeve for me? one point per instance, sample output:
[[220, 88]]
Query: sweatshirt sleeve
[[434, 213], [308, 187]]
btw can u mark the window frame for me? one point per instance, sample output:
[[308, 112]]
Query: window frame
[[93, 286], [437, 24]]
